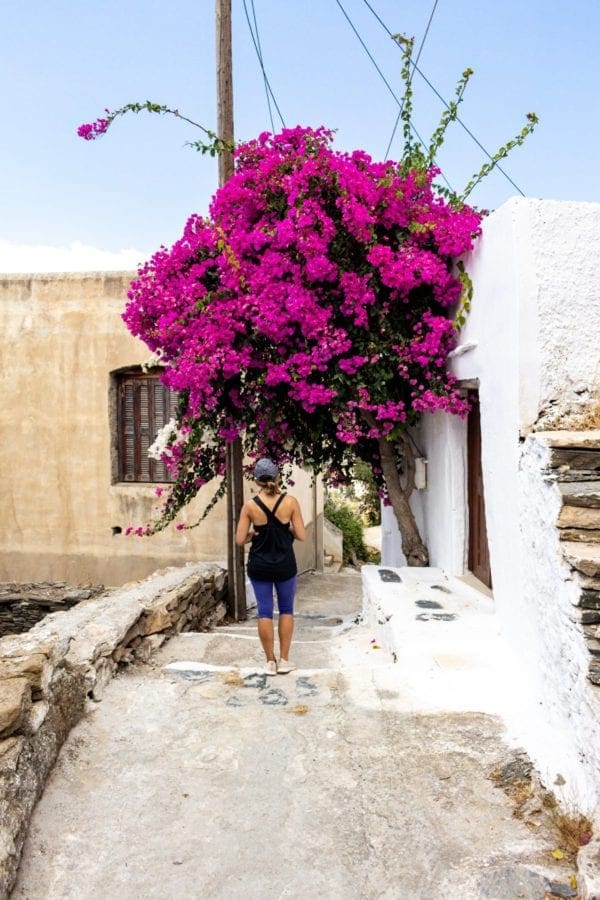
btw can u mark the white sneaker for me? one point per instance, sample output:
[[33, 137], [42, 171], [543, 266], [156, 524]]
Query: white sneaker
[[271, 667], [284, 667]]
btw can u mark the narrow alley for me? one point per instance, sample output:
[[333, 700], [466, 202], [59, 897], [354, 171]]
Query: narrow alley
[[199, 777]]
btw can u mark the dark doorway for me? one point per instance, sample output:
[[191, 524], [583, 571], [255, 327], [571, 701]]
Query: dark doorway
[[479, 553]]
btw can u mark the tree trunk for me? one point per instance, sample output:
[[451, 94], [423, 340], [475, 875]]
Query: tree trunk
[[413, 547]]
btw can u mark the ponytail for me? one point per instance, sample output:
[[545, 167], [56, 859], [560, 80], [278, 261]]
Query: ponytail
[[271, 487]]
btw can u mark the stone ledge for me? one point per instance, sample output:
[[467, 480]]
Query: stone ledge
[[47, 674], [584, 440]]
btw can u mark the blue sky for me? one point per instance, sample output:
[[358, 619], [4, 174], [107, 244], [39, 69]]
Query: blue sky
[[65, 61]]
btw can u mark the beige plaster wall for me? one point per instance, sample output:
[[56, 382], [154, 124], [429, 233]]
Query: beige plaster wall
[[62, 336]]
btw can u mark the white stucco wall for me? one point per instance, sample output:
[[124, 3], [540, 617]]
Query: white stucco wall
[[536, 308], [493, 362], [534, 352], [563, 733], [561, 248], [534, 348]]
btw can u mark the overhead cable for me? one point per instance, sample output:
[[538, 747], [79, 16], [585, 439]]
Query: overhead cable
[[439, 96], [419, 51], [258, 49], [385, 81]]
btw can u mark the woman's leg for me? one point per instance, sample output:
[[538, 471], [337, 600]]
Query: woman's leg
[[286, 631], [286, 591], [267, 638], [263, 591]]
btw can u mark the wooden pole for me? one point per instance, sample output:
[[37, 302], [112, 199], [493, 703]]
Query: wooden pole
[[235, 482], [224, 86]]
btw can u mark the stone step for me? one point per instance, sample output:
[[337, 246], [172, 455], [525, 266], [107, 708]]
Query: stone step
[[586, 494], [583, 556]]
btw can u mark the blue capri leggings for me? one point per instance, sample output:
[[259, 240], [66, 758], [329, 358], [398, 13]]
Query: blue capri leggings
[[263, 591]]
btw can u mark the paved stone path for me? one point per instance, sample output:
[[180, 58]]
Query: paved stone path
[[197, 777]]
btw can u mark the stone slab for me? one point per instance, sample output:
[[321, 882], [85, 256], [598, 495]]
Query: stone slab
[[571, 439], [587, 460], [34, 667], [589, 583], [583, 556], [579, 517], [586, 494], [15, 702], [584, 535], [96, 630]]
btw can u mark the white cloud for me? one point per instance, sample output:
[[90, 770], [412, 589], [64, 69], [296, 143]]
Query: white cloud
[[78, 257]]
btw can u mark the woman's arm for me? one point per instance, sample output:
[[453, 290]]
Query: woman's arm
[[297, 522], [243, 533]]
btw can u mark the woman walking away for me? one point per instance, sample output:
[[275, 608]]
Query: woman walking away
[[271, 521]]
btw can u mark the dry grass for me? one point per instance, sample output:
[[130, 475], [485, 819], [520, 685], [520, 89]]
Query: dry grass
[[536, 806], [233, 678], [573, 832], [300, 709]]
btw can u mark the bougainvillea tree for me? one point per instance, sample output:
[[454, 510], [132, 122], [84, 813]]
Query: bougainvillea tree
[[310, 314]]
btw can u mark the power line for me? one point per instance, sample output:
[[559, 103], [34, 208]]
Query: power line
[[368, 52], [258, 48], [385, 81], [439, 96], [419, 51], [260, 58]]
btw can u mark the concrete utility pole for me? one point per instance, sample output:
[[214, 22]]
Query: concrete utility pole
[[235, 481]]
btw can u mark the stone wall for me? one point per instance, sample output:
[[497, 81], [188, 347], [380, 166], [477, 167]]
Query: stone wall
[[562, 731], [573, 465], [23, 605], [48, 674]]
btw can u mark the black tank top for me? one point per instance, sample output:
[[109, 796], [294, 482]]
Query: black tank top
[[271, 555]]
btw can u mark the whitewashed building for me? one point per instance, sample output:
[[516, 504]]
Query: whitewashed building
[[510, 497]]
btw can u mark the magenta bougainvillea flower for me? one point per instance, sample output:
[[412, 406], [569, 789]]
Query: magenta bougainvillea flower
[[310, 313], [93, 130]]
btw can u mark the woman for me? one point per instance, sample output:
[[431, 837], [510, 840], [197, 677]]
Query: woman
[[271, 521]]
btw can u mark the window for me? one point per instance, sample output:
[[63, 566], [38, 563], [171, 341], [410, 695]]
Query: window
[[144, 406]]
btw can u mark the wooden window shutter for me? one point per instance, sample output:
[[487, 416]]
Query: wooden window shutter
[[127, 431], [145, 405]]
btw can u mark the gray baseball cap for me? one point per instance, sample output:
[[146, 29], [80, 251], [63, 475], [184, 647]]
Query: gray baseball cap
[[265, 470]]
